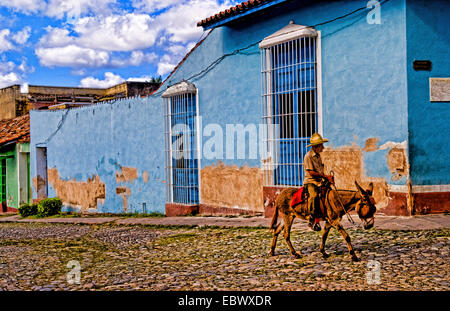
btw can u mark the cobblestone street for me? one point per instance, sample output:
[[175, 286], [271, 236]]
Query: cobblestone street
[[34, 256]]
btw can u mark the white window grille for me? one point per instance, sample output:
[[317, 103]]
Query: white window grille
[[290, 107], [181, 144]]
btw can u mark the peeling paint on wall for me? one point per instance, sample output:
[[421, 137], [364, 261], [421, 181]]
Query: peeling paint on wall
[[231, 186], [82, 194], [145, 176], [397, 163], [39, 186], [124, 192], [348, 166], [371, 144], [126, 174]]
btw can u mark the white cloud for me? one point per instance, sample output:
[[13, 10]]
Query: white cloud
[[70, 9], [151, 6], [110, 80], [6, 38], [24, 68], [22, 36], [180, 31], [124, 39], [165, 67], [5, 43], [9, 79], [140, 79], [127, 32], [74, 9], [24, 6], [136, 58], [79, 72], [6, 67], [12, 73], [180, 21], [72, 56], [56, 37]]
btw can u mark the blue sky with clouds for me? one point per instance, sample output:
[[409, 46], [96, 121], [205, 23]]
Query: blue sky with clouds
[[97, 43]]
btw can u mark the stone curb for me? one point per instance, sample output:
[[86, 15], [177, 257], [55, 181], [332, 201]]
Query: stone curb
[[426, 222]]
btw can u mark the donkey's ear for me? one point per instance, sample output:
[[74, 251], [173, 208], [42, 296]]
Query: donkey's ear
[[359, 188], [370, 189]]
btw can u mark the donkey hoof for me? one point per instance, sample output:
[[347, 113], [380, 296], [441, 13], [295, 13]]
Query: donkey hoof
[[355, 259], [325, 255], [272, 253], [297, 255]]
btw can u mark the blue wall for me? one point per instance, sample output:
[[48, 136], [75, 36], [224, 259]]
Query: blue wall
[[364, 87], [428, 35], [364, 74], [98, 140]]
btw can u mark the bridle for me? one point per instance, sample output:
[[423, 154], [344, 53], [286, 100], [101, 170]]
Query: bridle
[[367, 201]]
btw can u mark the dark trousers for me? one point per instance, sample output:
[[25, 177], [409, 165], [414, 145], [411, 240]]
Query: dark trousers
[[314, 201]]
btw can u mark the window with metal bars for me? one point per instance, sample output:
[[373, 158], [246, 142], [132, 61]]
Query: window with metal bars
[[289, 105], [182, 176]]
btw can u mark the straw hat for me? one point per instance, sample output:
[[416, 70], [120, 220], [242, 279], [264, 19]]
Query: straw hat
[[316, 139]]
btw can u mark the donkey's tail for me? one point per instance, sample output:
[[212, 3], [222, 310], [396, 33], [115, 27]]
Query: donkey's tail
[[273, 224]]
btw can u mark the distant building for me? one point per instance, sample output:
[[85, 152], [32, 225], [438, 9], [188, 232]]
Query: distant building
[[14, 103]]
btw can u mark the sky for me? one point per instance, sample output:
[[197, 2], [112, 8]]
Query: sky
[[97, 43]]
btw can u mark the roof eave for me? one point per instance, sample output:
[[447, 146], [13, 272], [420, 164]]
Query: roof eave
[[242, 14]]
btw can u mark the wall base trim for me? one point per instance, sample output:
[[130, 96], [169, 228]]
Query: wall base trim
[[207, 209], [420, 188], [176, 209]]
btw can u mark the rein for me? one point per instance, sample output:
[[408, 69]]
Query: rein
[[340, 202]]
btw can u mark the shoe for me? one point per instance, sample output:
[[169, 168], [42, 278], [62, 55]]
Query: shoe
[[317, 227], [311, 223]]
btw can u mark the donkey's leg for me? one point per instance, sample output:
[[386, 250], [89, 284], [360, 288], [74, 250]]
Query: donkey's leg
[[326, 230], [288, 220], [276, 232], [348, 240]]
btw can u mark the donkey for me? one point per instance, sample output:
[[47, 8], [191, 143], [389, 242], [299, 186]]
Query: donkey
[[332, 207]]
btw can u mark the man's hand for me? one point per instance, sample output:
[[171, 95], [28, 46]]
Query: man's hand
[[330, 178], [314, 174]]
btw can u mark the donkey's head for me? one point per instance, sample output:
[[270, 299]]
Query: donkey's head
[[366, 206]]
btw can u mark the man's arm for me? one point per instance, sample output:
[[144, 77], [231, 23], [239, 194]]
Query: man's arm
[[315, 174]]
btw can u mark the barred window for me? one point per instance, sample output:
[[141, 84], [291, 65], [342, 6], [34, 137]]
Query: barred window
[[180, 114], [289, 101]]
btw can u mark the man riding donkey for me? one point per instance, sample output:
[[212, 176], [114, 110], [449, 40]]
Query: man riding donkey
[[314, 175], [321, 203]]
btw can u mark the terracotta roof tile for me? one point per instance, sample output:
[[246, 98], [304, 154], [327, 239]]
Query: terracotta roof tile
[[237, 9], [17, 129]]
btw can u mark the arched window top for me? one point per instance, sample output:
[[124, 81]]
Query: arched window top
[[182, 87], [290, 32]]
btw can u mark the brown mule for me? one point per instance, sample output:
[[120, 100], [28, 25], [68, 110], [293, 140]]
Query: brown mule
[[332, 210]]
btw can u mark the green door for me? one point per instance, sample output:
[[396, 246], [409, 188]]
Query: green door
[[3, 184]]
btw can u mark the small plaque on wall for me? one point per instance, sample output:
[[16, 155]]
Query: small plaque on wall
[[440, 89], [422, 65]]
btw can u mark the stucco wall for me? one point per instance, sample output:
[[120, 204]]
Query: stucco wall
[[428, 35], [106, 152], [363, 87], [91, 150]]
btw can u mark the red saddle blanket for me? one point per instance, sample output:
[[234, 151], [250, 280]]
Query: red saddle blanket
[[297, 197]]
